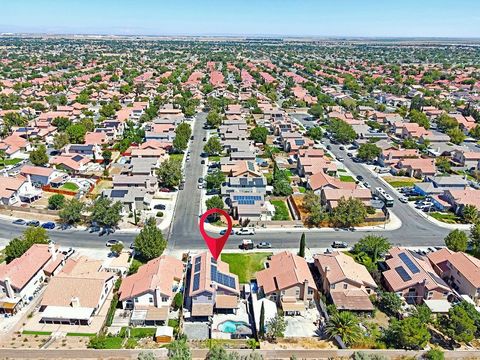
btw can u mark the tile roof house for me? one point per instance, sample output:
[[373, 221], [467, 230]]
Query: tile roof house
[[77, 293], [461, 271], [73, 162], [16, 189], [211, 286], [392, 156], [20, 278], [467, 159], [412, 277], [38, 174], [287, 280], [348, 283], [331, 197], [153, 287], [418, 168], [321, 180], [147, 182], [458, 199]]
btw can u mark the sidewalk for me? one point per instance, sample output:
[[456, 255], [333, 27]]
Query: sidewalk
[[394, 224]]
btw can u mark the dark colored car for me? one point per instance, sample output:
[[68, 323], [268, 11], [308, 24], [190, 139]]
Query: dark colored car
[[339, 245], [33, 223], [224, 231], [19, 222], [359, 177], [48, 225], [159, 207]]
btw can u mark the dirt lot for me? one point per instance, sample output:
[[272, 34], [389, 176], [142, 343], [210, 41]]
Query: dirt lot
[[298, 343]]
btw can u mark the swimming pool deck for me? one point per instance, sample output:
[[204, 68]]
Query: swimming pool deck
[[240, 316]]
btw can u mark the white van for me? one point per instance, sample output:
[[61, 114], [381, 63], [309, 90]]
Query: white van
[[246, 231]]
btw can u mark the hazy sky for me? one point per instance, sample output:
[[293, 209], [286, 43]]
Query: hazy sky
[[437, 18]]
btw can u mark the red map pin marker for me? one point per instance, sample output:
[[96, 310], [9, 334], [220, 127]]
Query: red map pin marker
[[215, 244]]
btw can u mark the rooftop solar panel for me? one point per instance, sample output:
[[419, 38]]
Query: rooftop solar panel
[[402, 273], [413, 268]]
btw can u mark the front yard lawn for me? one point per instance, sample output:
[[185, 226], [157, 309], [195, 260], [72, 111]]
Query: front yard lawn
[[346, 178], [398, 182], [448, 218], [178, 157], [281, 211], [69, 186], [9, 162], [214, 158], [245, 265]]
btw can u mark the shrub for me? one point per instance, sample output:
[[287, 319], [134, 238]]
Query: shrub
[[434, 354], [159, 214]]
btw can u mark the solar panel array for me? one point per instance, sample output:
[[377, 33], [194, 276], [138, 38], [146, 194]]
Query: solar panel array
[[413, 268], [402, 273], [222, 279], [246, 200], [196, 277]]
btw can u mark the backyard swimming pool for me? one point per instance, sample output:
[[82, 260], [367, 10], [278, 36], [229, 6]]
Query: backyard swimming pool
[[232, 327]]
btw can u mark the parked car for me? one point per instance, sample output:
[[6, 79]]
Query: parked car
[[264, 245], [247, 244], [349, 154], [341, 159], [164, 190], [329, 147], [224, 231], [200, 180], [33, 223], [112, 242], [342, 147], [181, 187], [359, 177], [106, 230], [200, 186], [204, 139], [246, 231], [19, 222], [69, 252], [160, 207], [202, 162], [339, 245], [403, 199], [366, 184], [48, 225]]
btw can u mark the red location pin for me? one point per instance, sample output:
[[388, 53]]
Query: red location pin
[[215, 244]]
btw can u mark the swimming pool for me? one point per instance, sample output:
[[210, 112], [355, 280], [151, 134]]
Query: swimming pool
[[232, 327]]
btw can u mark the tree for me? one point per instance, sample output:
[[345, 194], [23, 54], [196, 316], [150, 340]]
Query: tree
[[316, 111], [71, 212], [420, 118], [373, 246], [146, 355], [456, 135], [457, 240], [475, 235], [215, 202], [62, 123], [214, 119], [317, 215], [443, 164], [182, 135], [169, 173], [213, 146], [76, 133], [39, 156], [116, 249], [60, 139], [105, 212], [259, 134], [18, 246], [215, 180], [341, 131], [458, 325], [408, 333], [315, 133], [107, 156], [150, 243], [56, 201], [301, 251], [390, 303], [434, 354], [276, 327], [281, 182], [310, 200], [179, 350], [445, 122], [470, 214], [261, 325], [349, 212], [3, 155], [423, 313], [218, 352], [345, 325], [368, 152]]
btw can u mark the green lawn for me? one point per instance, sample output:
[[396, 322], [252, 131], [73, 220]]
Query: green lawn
[[346, 178], [28, 332], [302, 189], [398, 183], [245, 265], [214, 158], [80, 334], [10, 162], [69, 186], [138, 332], [449, 218], [178, 157], [113, 342], [342, 170], [281, 210]]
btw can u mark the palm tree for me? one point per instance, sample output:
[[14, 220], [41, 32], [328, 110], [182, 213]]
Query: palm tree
[[345, 325], [3, 155], [470, 214]]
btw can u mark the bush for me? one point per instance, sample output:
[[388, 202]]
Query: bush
[[178, 301], [159, 214], [371, 210], [434, 354], [56, 201]]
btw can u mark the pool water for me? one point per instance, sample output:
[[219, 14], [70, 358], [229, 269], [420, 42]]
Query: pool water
[[230, 326]]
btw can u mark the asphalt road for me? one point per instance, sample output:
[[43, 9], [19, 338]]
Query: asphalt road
[[184, 233]]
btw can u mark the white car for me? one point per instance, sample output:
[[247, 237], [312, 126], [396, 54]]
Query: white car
[[403, 199], [200, 186], [246, 231]]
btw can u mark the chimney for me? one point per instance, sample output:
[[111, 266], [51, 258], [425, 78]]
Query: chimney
[[305, 290], [75, 302], [8, 288], [52, 250], [327, 269]]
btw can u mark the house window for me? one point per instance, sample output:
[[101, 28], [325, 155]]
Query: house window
[[136, 299], [332, 286], [297, 292], [209, 297], [150, 299], [345, 286], [164, 298], [310, 291]]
